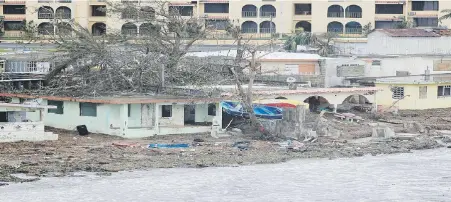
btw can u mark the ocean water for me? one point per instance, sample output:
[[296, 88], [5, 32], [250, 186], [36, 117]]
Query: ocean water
[[419, 176]]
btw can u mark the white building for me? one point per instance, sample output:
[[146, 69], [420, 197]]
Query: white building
[[129, 117]]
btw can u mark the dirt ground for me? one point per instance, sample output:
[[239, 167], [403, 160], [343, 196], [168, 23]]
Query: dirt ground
[[98, 153]]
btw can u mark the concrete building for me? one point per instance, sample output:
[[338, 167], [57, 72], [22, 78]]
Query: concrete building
[[415, 92], [128, 117], [14, 126], [265, 17]]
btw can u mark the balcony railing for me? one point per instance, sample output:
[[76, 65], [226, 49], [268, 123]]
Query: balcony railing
[[63, 16], [268, 14], [354, 15], [130, 32], [353, 31], [303, 12], [64, 1], [45, 1], [127, 15], [335, 14], [335, 30], [267, 30], [249, 30], [45, 15], [249, 14]]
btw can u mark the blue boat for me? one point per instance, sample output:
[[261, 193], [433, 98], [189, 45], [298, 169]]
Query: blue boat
[[260, 111]]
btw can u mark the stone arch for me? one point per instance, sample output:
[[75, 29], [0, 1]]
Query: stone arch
[[335, 11], [305, 25], [249, 10], [129, 29], [98, 29], [63, 12], [353, 28], [249, 27], [317, 103], [335, 27], [267, 27], [45, 12], [46, 28], [267, 11], [353, 11]]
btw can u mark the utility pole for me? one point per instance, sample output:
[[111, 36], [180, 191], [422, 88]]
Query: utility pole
[[270, 32]]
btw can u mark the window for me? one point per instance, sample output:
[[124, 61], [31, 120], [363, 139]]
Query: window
[[59, 107], [444, 91], [216, 8], [426, 22], [398, 92], [217, 24], [425, 6], [212, 109], [14, 9], [166, 111], [88, 109], [182, 10], [129, 109], [376, 63], [98, 10], [389, 8], [423, 92], [14, 25]]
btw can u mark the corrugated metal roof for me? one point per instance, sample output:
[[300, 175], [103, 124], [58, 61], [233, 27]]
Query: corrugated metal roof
[[409, 33]]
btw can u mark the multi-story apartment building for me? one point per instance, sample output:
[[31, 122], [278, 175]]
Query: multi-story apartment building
[[256, 16]]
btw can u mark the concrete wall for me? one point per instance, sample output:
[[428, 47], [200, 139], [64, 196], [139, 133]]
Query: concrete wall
[[24, 131], [381, 44], [332, 98], [412, 98]]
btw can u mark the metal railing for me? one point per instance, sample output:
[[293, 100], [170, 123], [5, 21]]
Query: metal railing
[[249, 14], [353, 31], [267, 30], [303, 12], [129, 32], [63, 15], [268, 14], [64, 1], [353, 14], [45, 15], [335, 14], [249, 30]]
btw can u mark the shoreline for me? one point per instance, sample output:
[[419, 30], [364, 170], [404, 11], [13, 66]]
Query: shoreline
[[97, 154]]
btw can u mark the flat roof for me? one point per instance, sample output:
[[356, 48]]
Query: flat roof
[[261, 55], [314, 91], [116, 99], [433, 79]]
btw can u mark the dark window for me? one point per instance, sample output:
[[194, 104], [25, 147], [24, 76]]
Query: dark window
[[166, 111], [182, 10], [212, 109], [14, 9], [444, 91], [88, 109], [59, 107], [217, 24], [98, 10], [302, 9], [129, 109], [389, 9], [398, 93], [14, 25], [216, 8], [426, 22], [376, 63], [425, 6]]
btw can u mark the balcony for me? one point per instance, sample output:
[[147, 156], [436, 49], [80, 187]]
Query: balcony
[[64, 1], [12, 2], [353, 14], [335, 14], [268, 14], [249, 14], [45, 15]]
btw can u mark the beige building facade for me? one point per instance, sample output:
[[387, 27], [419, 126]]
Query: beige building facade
[[254, 16]]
